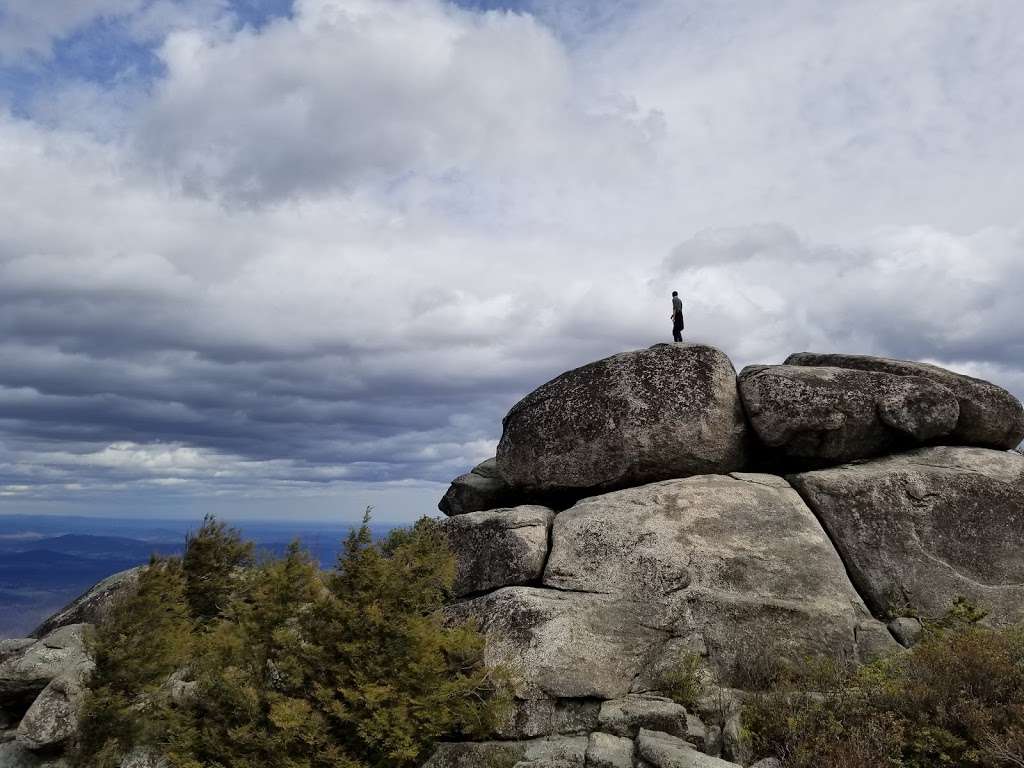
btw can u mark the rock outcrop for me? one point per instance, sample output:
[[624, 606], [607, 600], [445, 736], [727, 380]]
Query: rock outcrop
[[920, 529], [479, 489], [93, 606], [822, 416], [660, 554], [989, 417], [499, 547], [669, 411]]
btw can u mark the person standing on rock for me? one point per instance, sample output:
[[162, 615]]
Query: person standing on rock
[[677, 317]]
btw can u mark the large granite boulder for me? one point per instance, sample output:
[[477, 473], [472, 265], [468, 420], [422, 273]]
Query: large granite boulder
[[919, 529], [819, 415], [729, 564], [498, 548], [989, 415], [93, 606], [669, 411], [479, 489], [29, 671]]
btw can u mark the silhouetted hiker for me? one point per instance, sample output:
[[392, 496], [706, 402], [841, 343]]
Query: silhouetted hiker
[[677, 317]]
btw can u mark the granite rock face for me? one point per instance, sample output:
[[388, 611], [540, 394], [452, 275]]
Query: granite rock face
[[93, 606], [727, 564], [819, 415], [669, 411], [498, 548], [53, 717], [479, 489], [920, 529], [989, 415]]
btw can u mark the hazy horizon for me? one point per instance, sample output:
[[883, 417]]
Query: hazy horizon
[[283, 260]]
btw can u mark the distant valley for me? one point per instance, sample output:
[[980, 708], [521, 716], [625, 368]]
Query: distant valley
[[45, 562]]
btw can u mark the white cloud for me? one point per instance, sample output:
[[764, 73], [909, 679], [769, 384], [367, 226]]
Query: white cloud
[[332, 251]]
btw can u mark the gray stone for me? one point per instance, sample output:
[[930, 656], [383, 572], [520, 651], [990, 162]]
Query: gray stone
[[53, 717], [665, 751], [628, 715], [768, 762], [479, 489], [669, 411], [906, 629], [498, 548], [820, 415], [30, 670], [530, 718], [93, 606], [989, 415], [733, 564], [562, 644], [920, 529], [607, 751]]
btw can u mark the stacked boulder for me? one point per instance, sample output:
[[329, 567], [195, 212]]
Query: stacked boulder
[[654, 508], [43, 679]]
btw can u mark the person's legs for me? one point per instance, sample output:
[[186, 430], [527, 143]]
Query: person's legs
[[676, 333]]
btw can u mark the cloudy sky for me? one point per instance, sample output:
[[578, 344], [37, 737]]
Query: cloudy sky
[[274, 258]]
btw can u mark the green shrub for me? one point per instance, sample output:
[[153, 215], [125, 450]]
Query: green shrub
[[146, 638], [684, 681], [295, 668], [955, 699], [213, 555]]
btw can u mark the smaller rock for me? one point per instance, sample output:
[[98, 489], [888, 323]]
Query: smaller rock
[[768, 762], [628, 715], [53, 717], [479, 489], [607, 751], [471, 754], [499, 547], [531, 718], [14, 646], [555, 753], [906, 629], [666, 751]]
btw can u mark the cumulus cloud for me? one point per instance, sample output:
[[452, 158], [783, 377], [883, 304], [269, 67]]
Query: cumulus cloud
[[320, 258]]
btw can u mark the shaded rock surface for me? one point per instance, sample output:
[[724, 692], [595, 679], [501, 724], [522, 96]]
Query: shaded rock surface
[[15, 755], [669, 411], [499, 548], [93, 606], [989, 416], [919, 529], [820, 415], [53, 717], [479, 489], [607, 751], [626, 716]]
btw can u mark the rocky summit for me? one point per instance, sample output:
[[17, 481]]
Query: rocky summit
[[652, 519], [676, 513]]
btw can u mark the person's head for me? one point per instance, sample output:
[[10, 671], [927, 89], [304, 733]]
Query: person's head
[[675, 293]]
